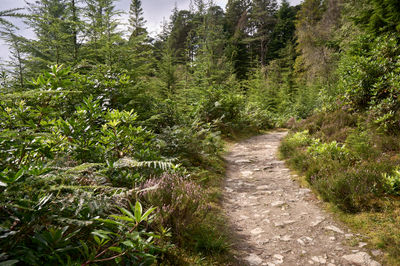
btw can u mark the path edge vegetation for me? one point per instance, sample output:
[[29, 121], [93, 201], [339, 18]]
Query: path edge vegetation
[[94, 119], [356, 179]]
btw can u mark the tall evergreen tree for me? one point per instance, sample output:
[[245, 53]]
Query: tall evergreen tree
[[136, 19], [76, 27], [382, 16], [6, 14], [236, 23], [50, 23], [102, 32], [17, 62], [284, 29], [262, 23]]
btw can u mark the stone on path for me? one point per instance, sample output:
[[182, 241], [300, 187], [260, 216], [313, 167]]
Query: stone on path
[[376, 252], [278, 259], [319, 219], [242, 161], [277, 203], [256, 231], [334, 229], [319, 259], [253, 259], [305, 240], [277, 222], [246, 173], [361, 259], [286, 238]]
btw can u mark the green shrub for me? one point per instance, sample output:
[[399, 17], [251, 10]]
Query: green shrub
[[359, 143], [193, 144], [293, 142], [353, 189], [369, 78], [392, 182], [258, 118], [328, 151]]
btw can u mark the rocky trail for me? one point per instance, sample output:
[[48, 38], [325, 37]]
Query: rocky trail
[[276, 222]]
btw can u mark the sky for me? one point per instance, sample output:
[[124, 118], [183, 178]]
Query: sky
[[155, 11]]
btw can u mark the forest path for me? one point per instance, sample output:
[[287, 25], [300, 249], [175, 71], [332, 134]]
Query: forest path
[[275, 221]]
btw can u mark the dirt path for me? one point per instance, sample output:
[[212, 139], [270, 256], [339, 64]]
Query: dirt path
[[275, 220]]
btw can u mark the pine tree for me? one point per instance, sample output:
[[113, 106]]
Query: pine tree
[[236, 23], [381, 16], [17, 62], [262, 23], [76, 26], [136, 19], [181, 29], [284, 29], [50, 23], [102, 32], [9, 13]]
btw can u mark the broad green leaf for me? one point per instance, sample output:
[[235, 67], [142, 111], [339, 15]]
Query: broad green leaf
[[126, 212], [116, 249], [124, 218], [147, 213], [109, 221], [138, 212], [128, 243]]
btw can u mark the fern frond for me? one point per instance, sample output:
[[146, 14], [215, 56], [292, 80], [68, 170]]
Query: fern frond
[[132, 163]]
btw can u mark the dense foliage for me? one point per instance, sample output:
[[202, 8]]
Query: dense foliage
[[110, 139]]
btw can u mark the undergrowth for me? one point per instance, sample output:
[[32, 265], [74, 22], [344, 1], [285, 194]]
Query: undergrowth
[[352, 164]]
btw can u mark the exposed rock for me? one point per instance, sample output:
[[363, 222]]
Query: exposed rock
[[362, 244], [229, 190], [376, 252], [304, 240], [360, 259], [319, 259], [348, 236], [279, 224], [286, 238], [319, 219], [256, 231], [334, 229], [278, 259], [244, 217], [253, 259], [242, 161], [277, 203], [287, 222]]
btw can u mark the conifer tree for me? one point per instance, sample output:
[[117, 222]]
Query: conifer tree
[[102, 32], [262, 23], [284, 29], [136, 19], [382, 16], [236, 23], [50, 23], [5, 23], [17, 62]]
